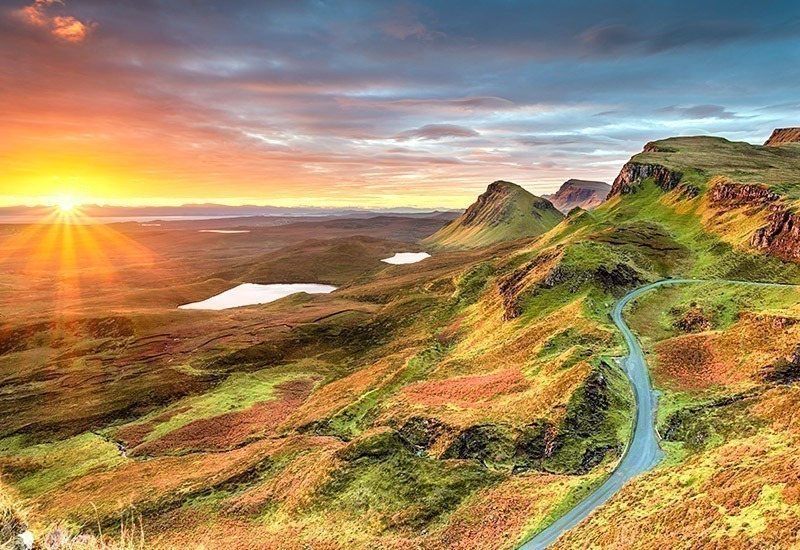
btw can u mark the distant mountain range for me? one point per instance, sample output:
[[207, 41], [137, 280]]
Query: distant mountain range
[[579, 193], [13, 214]]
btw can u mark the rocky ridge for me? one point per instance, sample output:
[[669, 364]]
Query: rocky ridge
[[579, 193], [633, 174], [781, 136]]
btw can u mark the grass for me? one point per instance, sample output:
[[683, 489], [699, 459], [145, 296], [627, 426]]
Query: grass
[[506, 212], [575, 495], [35, 469], [358, 416], [432, 342], [389, 487], [701, 158], [655, 315], [237, 392]]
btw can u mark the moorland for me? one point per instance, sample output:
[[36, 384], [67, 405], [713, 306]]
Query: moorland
[[464, 401]]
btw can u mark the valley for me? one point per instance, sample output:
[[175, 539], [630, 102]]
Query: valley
[[470, 399]]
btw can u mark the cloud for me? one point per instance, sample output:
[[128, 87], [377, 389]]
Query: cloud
[[310, 100], [405, 23], [34, 14], [64, 27], [459, 104], [699, 112], [437, 131], [620, 39], [610, 39]]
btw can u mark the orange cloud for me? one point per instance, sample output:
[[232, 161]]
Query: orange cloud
[[63, 27], [70, 29]]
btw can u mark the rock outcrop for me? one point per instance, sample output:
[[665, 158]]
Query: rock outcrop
[[727, 193], [786, 370], [579, 193], [633, 174], [781, 136], [781, 236]]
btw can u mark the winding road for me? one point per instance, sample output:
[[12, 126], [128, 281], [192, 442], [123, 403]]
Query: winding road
[[643, 451]]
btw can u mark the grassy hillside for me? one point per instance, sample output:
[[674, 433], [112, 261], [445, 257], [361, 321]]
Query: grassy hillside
[[505, 212], [700, 158], [726, 359]]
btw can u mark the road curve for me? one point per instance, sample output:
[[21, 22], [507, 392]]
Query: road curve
[[643, 451]]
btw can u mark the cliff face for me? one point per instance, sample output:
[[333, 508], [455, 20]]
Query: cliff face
[[581, 193], [715, 165], [781, 237], [781, 136], [632, 175]]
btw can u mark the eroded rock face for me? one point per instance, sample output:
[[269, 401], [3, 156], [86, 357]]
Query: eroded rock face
[[485, 443], [782, 236], [502, 446], [632, 175], [512, 286], [728, 193], [783, 135], [579, 193]]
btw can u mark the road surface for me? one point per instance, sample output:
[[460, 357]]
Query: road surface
[[643, 452]]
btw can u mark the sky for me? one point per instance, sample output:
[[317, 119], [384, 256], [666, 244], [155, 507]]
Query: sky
[[371, 103]]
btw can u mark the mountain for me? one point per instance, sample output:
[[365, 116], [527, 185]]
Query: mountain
[[582, 193], [267, 214], [505, 212]]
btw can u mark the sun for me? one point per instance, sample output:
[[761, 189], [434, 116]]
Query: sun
[[66, 204]]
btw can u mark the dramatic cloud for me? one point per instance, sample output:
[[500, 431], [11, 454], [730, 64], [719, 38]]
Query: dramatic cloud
[[64, 27], [372, 102]]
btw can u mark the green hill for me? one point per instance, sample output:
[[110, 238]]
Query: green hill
[[746, 194], [505, 212], [696, 160]]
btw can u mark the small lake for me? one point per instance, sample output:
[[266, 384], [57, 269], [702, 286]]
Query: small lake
[[406, 258], [225, 231], [249, 294]]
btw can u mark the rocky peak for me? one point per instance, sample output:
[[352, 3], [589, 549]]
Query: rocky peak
[[781, 136], [579, 193]]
